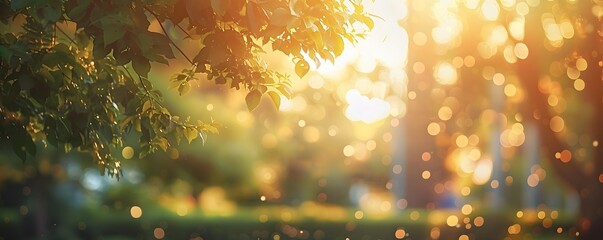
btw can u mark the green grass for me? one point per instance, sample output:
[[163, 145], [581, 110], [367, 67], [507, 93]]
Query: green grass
[[245, 223]]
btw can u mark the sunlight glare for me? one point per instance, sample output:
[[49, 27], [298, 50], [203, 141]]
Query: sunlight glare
[[517, 28], [483, 171], [445, 73], [361, 108], [490, 10]]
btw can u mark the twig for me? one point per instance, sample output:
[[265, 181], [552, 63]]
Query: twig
[[66, 35], [168, 37], [184, 31], [148, 94]]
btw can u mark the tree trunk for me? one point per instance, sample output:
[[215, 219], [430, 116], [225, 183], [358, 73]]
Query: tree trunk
[[586, 183], [41, 197], [591, 211]]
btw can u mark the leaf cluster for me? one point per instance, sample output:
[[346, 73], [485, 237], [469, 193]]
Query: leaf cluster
[[76, 72]]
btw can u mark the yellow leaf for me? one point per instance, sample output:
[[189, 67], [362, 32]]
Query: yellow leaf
[[276, 99], [191, 134], [301, 68], [253, 99]]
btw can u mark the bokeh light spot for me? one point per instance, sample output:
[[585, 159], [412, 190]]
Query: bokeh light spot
[[445, 73], [426, 175], [433, 129], [467, 209], [579, 84], [400, 233], [159, 233], [565, 156], [452, 220], [557, 124], [127, 152], [135, 212], [521, 50], [478, 221]]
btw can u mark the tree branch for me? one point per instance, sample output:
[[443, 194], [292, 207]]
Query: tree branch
[[168, 36]]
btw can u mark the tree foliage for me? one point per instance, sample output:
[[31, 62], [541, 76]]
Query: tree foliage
[[76, 72]]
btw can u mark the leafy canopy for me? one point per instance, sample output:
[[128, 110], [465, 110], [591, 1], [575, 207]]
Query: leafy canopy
[[75, 72]]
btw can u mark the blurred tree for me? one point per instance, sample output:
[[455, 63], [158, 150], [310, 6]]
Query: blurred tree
[[582, 53], [75, 72], [543, 61]]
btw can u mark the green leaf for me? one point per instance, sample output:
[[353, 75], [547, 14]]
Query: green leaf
[[23, 144], [52, 12], [141, 65], [145, 41], [25, 82], [113, 33], [220, 6], [191, 134], [253, 99], [163, 143], [5, 53], [146, 106], [175, 84], [122, 58], [99, 50], [301, 68], [276, 99], [15, 5], [184, 88], [82, 39], [79, 11], [211, 128]]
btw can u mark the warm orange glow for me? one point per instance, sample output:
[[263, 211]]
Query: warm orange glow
[[490, 10], [557, 124], [434, 233], [445, 113], [579, 84], [533, 180], [482, 172], [159, 233], [514, 229], [426, 175], [430, 121], [565, 156], [467, 209], [452, 220], [433, 129], [445, 73], [400, 233], [426, 156], [478, 221]]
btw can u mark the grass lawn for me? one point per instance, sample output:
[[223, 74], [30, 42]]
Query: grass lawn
[[279, 222]]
